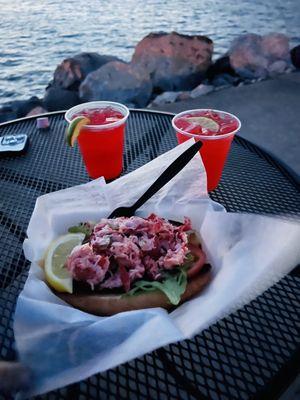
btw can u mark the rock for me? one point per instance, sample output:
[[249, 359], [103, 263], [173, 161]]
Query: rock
[[218, 88], [246, 57], [220, 67], [200, 90], [225, 80], [18, 108], [295, 56], [36, 111], [7, 114], [251, 55], [275, 46], [290, 69], [57, 98], [72, 71], [117, 81], [165, 98], [222, 74], [174, 61], [277, 67], [23, 107], [185, 95], [131, 105]]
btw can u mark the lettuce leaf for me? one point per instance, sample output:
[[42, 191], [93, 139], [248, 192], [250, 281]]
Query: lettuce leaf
[[173, 286], [84, 227]]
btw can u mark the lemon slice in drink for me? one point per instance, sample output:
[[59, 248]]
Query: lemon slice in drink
[[74, 128], [56, 272], [205, 122]]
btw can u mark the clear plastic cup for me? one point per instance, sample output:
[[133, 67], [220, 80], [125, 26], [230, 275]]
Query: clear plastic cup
[[101, 143], [216, 144]]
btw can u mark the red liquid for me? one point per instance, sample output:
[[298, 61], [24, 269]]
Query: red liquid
[[102, 149], [225, 123], [215, 148]]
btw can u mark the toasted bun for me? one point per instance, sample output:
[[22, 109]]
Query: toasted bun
[[98, 304]]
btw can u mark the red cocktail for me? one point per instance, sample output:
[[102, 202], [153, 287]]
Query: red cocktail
[[101, 141], [216, 130]]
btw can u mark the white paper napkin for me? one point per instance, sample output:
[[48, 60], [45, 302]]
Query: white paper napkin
[[63, 345]]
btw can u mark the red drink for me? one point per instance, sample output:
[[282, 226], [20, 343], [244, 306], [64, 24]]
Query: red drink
[[216, 130], [101, 141]]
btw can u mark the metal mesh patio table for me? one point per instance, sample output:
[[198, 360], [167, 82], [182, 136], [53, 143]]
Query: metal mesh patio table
[[252, 354]]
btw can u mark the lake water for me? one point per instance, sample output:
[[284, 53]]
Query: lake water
[[36, 35]]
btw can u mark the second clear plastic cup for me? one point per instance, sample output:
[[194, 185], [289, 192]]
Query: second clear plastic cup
[[216, 145], [101, 142]]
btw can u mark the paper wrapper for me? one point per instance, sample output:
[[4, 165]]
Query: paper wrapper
[[63, 345]]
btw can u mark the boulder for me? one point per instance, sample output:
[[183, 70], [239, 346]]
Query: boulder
[[277, 67], [185, 95], [18, 108], [275, 46], [117, 81], [225, 80], [165, 98], [57, 98], [174, 61], [251, 55], [7, 114], [295, 56], [246, 58], [200, 90], [72, 71], [220, 67], [36, 111], [23, 107]]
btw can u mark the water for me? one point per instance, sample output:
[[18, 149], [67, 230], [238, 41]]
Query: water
[[35, 36]]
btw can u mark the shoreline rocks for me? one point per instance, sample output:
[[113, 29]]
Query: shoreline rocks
[[19, 108], [72, 71], [253, 56], [58, 98], [165, 68], [117, 81], [174, 62]]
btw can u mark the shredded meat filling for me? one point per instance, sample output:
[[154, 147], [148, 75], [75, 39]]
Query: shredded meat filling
[[122, 250]]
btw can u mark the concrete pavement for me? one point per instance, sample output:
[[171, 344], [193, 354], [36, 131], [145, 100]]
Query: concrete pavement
[[269, 111]]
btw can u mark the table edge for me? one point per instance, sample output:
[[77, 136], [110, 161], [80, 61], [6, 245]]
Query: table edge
[[282, 166]]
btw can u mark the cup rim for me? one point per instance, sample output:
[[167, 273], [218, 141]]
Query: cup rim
[[93, 104], [204, 137]]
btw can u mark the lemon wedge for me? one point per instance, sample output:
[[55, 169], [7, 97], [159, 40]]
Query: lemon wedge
[[74, 128], [56, 272], [205, 122]]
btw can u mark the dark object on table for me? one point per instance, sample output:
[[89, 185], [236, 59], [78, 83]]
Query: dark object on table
[[13, 145], [13, 377]]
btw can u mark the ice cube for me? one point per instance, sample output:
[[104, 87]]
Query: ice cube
[[226, 128]]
